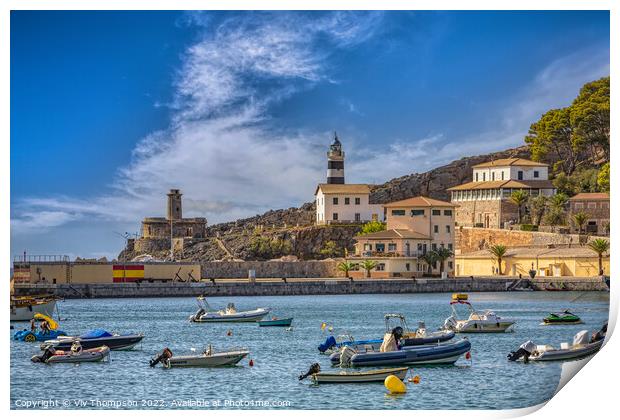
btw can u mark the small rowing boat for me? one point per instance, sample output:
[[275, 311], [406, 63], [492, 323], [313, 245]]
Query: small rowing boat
[[344, 377], [275, 322], [208, 358]]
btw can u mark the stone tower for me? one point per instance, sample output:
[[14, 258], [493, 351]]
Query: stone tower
[[335, 162], [175, 211]]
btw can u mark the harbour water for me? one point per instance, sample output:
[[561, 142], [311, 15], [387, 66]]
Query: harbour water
[[487, 381]]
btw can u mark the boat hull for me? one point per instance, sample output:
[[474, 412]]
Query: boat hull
[[436, 337], [358, 377], [26, 313], [444, 353], [566, 354], [91, 355], [483, 327], [230, 358], [246, 316], [276, 322], [115, 342]]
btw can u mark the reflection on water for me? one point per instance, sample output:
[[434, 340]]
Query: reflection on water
[[487, 381]]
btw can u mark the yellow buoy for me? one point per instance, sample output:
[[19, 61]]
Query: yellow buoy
[[395, 385]]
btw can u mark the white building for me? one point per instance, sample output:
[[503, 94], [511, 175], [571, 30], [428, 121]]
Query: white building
[[345, 203]]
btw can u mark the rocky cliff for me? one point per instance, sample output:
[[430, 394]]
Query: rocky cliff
[[279, 233]]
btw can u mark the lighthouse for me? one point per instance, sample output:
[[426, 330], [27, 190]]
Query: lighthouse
[[335, 162]]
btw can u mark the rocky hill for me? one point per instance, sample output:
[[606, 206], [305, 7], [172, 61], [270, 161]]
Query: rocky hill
[[290, 232]]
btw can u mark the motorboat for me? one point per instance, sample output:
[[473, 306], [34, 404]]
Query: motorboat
[[23, 308], [207, 314], [478, 321], [582, 346], [208, 358], [564, 318], [345, 377], [275, 322], [52, 355], [41, 335], [96, 338], [393, 323], [414, 338], [391, 355]]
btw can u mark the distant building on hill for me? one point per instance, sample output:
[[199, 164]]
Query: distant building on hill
[[485, 202], [596, 206], [159, 227]]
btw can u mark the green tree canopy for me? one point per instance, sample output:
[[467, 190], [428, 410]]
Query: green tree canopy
[[603, 178], [373, 226]]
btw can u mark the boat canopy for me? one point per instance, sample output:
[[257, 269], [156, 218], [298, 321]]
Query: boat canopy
[[52, 324], [96, 333]]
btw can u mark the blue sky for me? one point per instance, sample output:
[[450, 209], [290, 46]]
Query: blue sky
[[111, 109]]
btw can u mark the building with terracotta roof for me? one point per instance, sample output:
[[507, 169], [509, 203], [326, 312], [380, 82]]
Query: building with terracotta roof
[[414, 227], [485, 201], [596, 206]]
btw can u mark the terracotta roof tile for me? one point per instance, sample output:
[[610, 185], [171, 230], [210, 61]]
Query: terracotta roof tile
[[509, 162], [419, 201], [343, 189]]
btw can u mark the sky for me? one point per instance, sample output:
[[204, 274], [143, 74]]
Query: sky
[[109, 110]]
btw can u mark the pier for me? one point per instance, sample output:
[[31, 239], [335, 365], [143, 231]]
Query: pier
[[302, 286]]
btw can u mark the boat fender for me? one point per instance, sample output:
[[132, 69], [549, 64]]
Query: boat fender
[[314, 368], [395, 385], [345, 356], [251, 363], [328, 344]]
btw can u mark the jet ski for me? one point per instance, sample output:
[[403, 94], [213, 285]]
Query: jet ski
[[564, 318]]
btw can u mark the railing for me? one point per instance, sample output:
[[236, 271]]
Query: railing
[[40, 258], [411, 254]]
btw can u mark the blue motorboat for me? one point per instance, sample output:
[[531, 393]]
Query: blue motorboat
[[440, 353], [96, 338], [336, 343]]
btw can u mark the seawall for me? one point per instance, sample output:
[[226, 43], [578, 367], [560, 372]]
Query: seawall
[[300, 287]]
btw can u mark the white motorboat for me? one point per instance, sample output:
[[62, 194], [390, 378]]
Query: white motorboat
[[582, 346], [208, 358], [478, 321], [23, 308], [207, 314]]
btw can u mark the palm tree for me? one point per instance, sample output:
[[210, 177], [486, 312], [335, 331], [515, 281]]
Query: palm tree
[[519, 198], [442, 254], [430, 258], [600, 246], [498, 252], [538, 207], [558, 201], [368, 265], [580, 218], [345, 267]]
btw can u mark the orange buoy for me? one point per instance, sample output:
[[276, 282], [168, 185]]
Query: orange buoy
[[251, 363], [416, 379]]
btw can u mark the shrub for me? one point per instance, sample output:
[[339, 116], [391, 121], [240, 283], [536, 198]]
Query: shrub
[[529, 228]]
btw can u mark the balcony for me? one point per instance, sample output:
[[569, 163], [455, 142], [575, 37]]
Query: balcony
[[388, 254]]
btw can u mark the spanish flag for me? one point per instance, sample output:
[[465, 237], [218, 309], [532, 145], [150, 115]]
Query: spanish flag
[[127, 273]]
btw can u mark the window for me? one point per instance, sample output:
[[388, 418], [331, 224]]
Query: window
[[407, 267], [536, 174], [502, 175], [358, 217], [335, 200], [335, 216], [591, 205], [380, 247], [417, 212], [450, 265], [347, 201], [484, 176], [434, 247], [436, 229], [450, 247], [578, 205], [436, 212], [398, 212], [476, 176], [367, 247], [357, 201], [520, 175], [492, 176], [380, 267], [392, 247], [447, 212], [447, 228]]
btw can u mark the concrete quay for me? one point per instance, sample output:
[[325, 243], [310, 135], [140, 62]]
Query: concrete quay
[[310, 286]]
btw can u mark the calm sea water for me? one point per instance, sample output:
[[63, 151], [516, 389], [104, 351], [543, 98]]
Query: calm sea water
[[488, 382]]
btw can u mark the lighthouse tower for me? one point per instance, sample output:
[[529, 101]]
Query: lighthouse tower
[[335, 162]]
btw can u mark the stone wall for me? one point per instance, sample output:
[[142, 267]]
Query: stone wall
[[474, 239], [306, 287], [269, 269]]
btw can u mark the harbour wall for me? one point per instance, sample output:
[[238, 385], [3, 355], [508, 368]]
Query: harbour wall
[[279, 287], [269, 269]]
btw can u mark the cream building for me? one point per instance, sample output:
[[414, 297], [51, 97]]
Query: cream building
[[553, 262], [485, 202], [413, 227], [345, 203]]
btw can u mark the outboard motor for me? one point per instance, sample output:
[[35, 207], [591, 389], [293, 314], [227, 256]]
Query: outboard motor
[[525, 350], [161, 357], [328, 344], [197, 315], [397, 332], [599, 335], [345, 356], [42, 358], [314, 368], [449, 323]]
